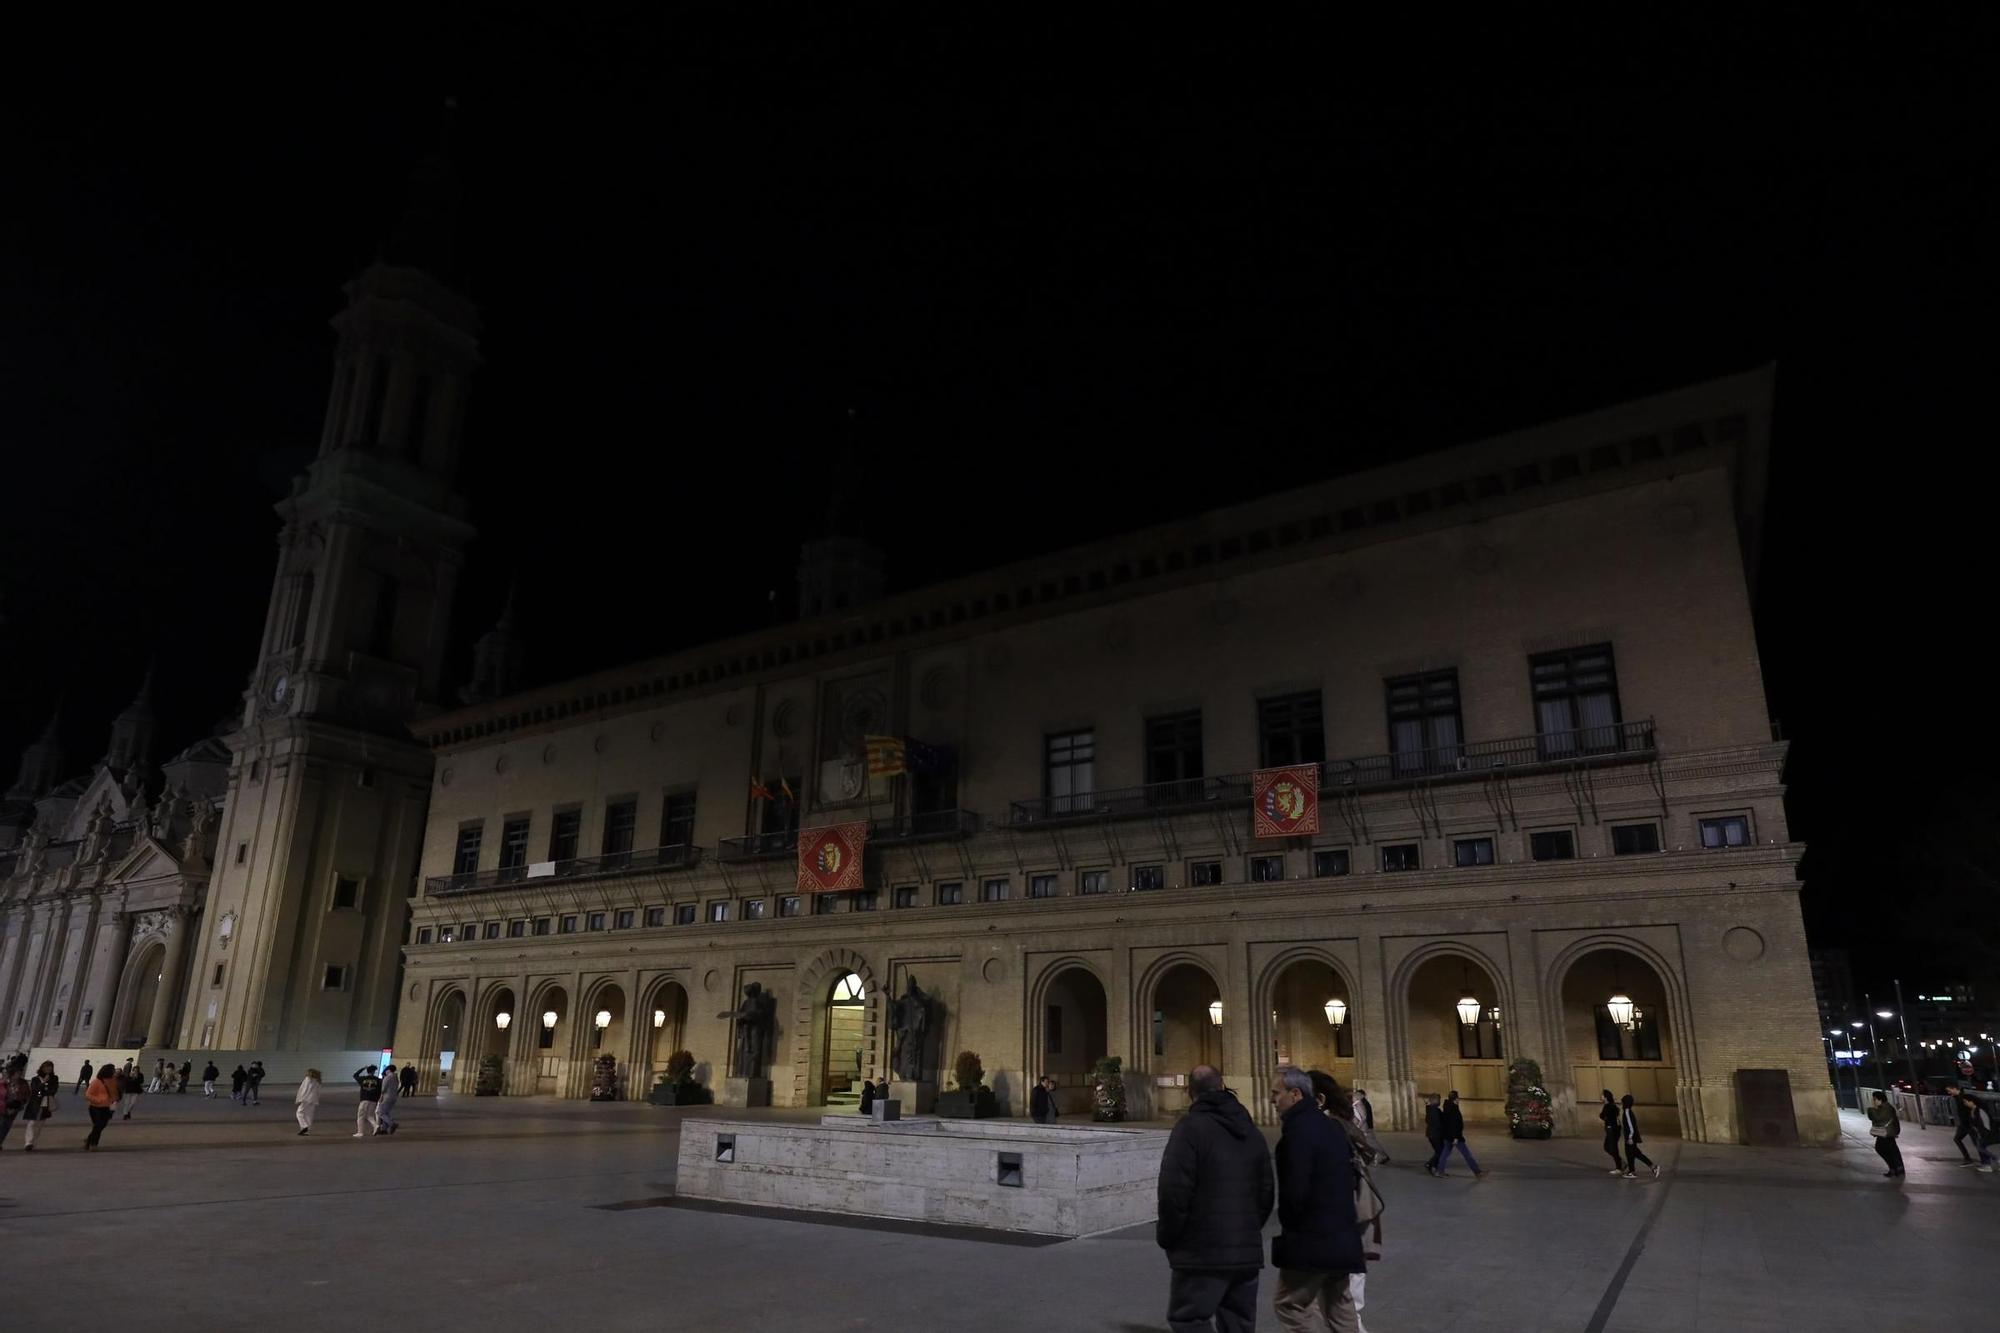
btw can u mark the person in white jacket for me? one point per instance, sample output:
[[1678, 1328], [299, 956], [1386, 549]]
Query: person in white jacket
[[385, 1110], [306, 1102]]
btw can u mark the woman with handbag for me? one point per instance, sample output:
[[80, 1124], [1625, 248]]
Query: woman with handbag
[[42, 1089], [1886, 1125]]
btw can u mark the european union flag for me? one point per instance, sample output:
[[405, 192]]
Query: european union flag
[[928, 760]]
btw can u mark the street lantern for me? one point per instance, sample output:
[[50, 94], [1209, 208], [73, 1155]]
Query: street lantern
[[659, 1018], [549, 1020], [1336, 1011], [502, 1019], [1468, 1008], [1622, 1009], [1215, 1013], [603, 1019]]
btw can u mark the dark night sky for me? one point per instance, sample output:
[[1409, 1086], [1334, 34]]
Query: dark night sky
[[1071, 282]]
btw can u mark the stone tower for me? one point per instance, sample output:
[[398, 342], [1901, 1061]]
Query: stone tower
[[301, 934]]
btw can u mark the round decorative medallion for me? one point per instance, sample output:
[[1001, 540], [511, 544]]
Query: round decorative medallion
[[711, 980], [444, 778], [994, 971], [1743, 944], [936, 691], [659, 730], [998, 658], [785, 721], [601, 744], [500, 764], [733, 715], [549, 753]]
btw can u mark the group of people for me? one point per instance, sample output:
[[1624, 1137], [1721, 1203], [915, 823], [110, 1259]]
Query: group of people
[[34, 1099], [1973, 1122], [1621, 1132]]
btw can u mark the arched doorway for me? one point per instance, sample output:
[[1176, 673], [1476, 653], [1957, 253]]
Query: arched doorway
[[450, 1039], [668, 1021], [134, 1011], [608, 1034], [1072, 1035], [1312, 1020], [490, 1035], [1617, 1036], [552, 1019], [1455, 1036], [1184, 1019], [844, 1042]]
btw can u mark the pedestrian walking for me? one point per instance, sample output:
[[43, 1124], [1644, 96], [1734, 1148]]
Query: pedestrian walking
[[1318, 1245], [1367, 1150], [1966, 1110], [1452, 1119], [1216, 1190], [371, 1094], [1632, 1154], [187, 1067], [1042, 1102], [385, 1109], [1614, 1132], [42, 1089], [1434, 1131], [1364, 1111], [84, 1076], [256, 1081], [305, 1102], [129, 1083], [239, 1079], [13, 1094], [102, 1099], [1884, 1124], [409, 1079], [159, 1083], [209, 1073], [867, 1096]]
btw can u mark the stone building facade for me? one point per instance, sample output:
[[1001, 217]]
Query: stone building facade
[[1552, 819]]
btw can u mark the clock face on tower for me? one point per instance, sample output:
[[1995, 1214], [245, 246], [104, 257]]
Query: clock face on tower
[[281, 688]]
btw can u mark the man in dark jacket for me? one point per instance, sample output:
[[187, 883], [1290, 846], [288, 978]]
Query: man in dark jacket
[[1042, 1102], [1215, 1192], [1319, 1244], [187, 1067], [1434, 1131], [256, 1082]]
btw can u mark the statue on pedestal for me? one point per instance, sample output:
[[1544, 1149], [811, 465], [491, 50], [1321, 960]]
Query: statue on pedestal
[[909, 1020], [753, 1030]]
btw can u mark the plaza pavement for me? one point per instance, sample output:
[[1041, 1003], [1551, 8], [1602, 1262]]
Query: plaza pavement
[[533, 1214]]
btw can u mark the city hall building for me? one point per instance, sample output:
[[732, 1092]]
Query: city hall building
[[1530, 805]]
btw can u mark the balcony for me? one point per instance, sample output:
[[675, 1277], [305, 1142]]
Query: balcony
[[758, 846], [1620, 742], [929, 826], [679, 857]]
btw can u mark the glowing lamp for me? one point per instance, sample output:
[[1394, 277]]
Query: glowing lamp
[[1336, 1012], [1468, 1008], [603, 1019], [1215, 1013], [502, 1019], [659, 1018], [1622, 1009], [549, 1020]]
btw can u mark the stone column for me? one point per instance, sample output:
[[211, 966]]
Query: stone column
[[159, 1029], [114, 942], [12, 946]]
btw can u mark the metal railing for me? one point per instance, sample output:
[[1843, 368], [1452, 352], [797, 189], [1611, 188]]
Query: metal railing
[[757, 846], [1613, 742], [901, 828], [681, 856]]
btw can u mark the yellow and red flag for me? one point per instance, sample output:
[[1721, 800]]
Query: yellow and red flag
[[830, 857], [885, 756], [1284, 802]]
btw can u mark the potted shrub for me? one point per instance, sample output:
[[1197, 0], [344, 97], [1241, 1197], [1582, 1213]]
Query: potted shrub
[[1108, 1101], [677, 1086], [1529, 1115], [972, 1100], [604, 1079], [492, 1073]]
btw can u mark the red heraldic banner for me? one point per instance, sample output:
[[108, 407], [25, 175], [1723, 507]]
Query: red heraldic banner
[[830, 857], [1285, 801]]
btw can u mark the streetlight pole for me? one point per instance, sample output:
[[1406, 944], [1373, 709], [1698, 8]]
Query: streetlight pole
[[1853, 1069], [1903, 1017], [1874, 1042]]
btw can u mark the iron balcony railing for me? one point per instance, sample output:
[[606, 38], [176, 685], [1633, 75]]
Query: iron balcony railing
[[1471, 759], [681, 856], [929, 825]]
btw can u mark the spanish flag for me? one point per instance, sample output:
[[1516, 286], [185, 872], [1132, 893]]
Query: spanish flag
[[885, 756], [758, 791]]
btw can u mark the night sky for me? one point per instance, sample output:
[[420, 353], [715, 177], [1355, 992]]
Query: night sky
[[1047, 285]]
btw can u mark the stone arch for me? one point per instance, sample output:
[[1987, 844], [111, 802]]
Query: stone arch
[[133, 1009], [605, 995], [1560, 1073], [549, 1066], [1397, 1021], [1073, 1082], [1264, 999], [670, 994], [815, 978], [1145, 991]]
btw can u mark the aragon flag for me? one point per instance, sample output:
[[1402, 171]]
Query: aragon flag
[[1284, 802], [830, 857]]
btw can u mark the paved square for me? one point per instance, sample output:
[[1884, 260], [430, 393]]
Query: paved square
[[530, 1213]]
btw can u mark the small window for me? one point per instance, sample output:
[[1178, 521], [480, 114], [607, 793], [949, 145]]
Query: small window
[[242, 852], [514, 845], [1329, 862], [1173, 753], [788, 905], [1041, 886], [465, 857], [753, 909], [1728, 831], [1093, 881], [656, 916], [595, 921], [1634, 839], [517, 929], [542, 925], [492, 930], [866, 900], [1555, 845], [469, 932], [950, 893], [1149, 877], [684, 914], [621, 823], [906, 896], [718, 911], [1400, 856], [825, 904], [446, 934], [346, 892], [1070, 771], [217, 980], [1472, 852], [564, 830], [1204, 873], [335, 978], [624, 919], [256, 770], [424, 935], [567, 925], [1266, 869], [993, 891]]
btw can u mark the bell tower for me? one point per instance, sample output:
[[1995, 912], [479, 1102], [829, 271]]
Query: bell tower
[[300, 939]]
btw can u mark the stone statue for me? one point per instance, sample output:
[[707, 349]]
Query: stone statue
[[753, 1030], [96, 835], [34, 852], [909, 1020], [163, 816], [200, 815]]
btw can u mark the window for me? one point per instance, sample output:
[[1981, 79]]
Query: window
[[1330, 861], [825, 904], [1072, 771], [677, 820], [656, 916], [335, 978], [1481, 1040], [1424, 729], [1639, 1042], [1204, 873], [564, 831], [445, 934], [465, 860], [993, 891], [492, 930], [1149, 877], [514, 847], [788, 905], [1634, 839], [542, 924], [624, 919], [906, 895], [256, 770], [242, 852], [517, 929], [1266, 869], [684, 914], [718, 911], [1041, 886], [950, 893], [566, 925], [346, 892], [1289, 730], [1400, 856], [866, 900], [753, 909], [1052, 1030], [1093, 881], [469, 932], [1727, 831], [424, 935], [621, 820], [1173, 750], [1554, 845], [1576, 701], [1472, 852], [595, 921]]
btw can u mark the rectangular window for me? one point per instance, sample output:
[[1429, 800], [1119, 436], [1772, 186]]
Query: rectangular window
[[1400, 856], [1052, 1030], [825, 904], [469, 932], [1149, 877], [1290, 730], [1173, 751], [1728, 831], [950, 893], [1072, 771], [566, 925], [424, 935], [1553, 845], [1472, 852], [595, 921], [564, 831], [242, 852], [906, 895], [718, 911], [753, 909], [465, 860], [1330, 861], [1481, 1040], [1266, 869], [624, 919], [993, 891], [1641, 1041], [1634, 839], [621, 821], [1093, 881], [1425, 735], [517, 929], [656, 916], [684, 914], [514, 847], [1041, 886], [446, 934], [334, 979], [866, 900], [346, 892], [788, 905], [542, 924], [1204, 873], [677, 819], [1576, 701], [492, 930]]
